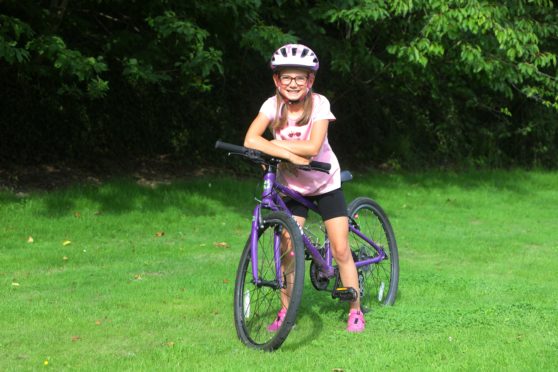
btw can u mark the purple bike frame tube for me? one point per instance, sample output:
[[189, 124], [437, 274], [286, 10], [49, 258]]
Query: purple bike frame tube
[[296, 196], [324, 263], [280, 205], [329, 254], [277, 258], [267, 192], [254, 242], [380, 257]]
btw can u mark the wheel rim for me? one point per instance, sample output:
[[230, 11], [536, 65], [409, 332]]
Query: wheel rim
[[374, 279], [260, 304]]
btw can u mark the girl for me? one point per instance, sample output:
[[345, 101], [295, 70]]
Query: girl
[[299, 120]]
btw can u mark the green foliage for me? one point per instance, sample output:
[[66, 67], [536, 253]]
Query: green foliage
[[502, 42], [135, 71], [454, 64], [71, 63], [265, 39], [417, 82], [191, 62], [13, 32]]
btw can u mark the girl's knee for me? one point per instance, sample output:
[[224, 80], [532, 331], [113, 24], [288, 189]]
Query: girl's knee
[[343, 256]]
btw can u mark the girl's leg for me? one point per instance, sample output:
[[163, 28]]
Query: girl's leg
[[338, 234], [288, 271], [287, 262]]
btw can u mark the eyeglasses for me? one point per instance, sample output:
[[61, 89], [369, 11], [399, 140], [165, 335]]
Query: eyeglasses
[[287, 80]]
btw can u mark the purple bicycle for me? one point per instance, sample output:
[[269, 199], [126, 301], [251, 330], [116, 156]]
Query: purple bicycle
[[270, 274]]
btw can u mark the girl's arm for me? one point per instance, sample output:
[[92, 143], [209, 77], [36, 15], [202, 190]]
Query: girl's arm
[[310, 147], [254, 139]]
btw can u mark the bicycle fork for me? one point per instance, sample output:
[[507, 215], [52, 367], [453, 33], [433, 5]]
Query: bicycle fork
[[254, 236]]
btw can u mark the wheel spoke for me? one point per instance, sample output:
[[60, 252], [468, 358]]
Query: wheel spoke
[[380, 280], [256, 306]]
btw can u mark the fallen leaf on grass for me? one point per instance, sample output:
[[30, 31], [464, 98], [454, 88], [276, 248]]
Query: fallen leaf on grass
[[221, 244], [159, 234], [77, 214], [66, 242], [30, 239], [169, 344], [137, 277], [75, 338], [226, 281], [98, 322]]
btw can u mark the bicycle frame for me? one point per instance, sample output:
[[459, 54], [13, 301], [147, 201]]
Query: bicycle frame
[[271, 199]]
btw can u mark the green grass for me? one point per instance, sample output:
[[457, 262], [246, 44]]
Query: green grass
[[478, 283]]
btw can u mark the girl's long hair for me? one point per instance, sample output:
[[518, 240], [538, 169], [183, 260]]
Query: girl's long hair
[[280, 120]]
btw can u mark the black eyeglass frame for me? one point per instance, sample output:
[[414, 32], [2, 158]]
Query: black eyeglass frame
[[299, 80]]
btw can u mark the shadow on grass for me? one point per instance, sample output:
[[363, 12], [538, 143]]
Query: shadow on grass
[[490, 179], [198, 197], [209, 196], [316, 329]]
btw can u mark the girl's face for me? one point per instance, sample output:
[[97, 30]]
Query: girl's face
[[293, 83]]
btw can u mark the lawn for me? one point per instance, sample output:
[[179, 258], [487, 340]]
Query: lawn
[[128, 276]]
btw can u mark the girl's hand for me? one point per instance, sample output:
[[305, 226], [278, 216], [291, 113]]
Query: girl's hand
[[298, 160], [288, 168], [293, 161]]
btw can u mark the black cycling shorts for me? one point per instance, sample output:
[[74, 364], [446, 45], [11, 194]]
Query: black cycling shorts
[[331, 204]]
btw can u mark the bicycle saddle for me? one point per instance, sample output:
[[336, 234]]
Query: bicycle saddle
[[346, 176]]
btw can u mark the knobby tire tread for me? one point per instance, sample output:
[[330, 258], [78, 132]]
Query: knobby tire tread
[[279, 337]]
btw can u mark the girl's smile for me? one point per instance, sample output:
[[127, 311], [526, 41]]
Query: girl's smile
[[294, 84]]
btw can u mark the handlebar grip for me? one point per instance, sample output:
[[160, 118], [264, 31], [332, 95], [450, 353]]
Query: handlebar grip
[[230, 147], [320, 166]]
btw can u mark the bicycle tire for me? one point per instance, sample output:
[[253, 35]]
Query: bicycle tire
[[374, 223], [256, 307]]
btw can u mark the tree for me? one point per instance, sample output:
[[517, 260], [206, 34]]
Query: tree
[[416, 81]]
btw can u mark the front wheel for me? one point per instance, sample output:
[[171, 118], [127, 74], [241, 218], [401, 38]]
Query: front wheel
[[378, 282], [257, 302]]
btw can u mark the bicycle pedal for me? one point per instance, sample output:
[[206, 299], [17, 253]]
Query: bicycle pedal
[[345, 294]]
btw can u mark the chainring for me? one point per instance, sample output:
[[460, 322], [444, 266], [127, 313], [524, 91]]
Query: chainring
[[318, 282]]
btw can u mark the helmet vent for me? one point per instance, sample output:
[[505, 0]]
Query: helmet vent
[[294, 56]]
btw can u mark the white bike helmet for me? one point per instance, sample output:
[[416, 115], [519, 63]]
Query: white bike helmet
[[295, 55]]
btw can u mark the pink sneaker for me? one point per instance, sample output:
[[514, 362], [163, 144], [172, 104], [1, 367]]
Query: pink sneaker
[[356, 321], [273, 327]]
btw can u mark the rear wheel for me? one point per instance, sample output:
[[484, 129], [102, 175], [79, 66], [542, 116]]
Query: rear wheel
[[256, 304], [378, 282]]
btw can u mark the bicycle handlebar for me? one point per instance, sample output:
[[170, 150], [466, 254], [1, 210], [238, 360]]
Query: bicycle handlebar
[[261, 157]]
